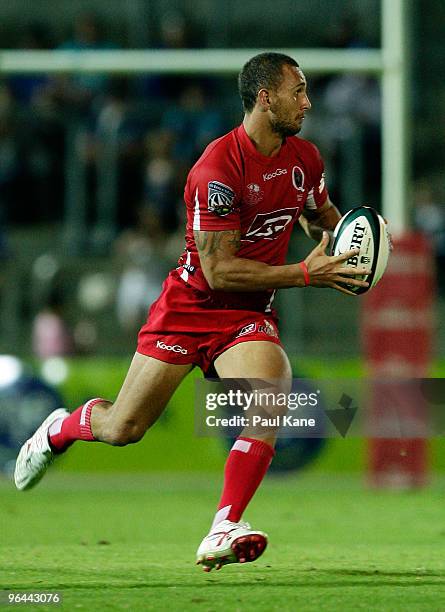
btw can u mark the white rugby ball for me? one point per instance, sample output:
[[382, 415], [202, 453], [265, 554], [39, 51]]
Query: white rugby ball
[[365, 229]]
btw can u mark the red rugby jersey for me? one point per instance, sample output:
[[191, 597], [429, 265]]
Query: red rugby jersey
[[233, 186]]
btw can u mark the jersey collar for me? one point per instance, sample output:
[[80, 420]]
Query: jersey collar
[[249, 148]]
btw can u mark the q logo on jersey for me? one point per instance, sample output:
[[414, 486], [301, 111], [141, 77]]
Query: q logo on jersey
[[220, 198], [298, 178]]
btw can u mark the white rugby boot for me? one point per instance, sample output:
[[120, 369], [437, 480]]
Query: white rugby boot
[[36, 455], [229, 542]]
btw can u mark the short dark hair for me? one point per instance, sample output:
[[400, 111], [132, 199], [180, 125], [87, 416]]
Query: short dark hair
[[264, 70]]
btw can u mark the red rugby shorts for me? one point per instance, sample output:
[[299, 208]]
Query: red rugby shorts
[[185, 326]]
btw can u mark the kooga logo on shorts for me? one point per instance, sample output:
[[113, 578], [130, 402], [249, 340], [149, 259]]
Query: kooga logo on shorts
[[277, 172], [168, 347]]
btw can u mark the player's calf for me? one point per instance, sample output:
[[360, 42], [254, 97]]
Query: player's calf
[[122, 433]]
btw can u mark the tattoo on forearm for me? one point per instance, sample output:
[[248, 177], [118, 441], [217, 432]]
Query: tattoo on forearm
[[209, 243], [234, 239]]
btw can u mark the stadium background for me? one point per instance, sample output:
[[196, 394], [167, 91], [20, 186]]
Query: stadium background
[[92, 169]]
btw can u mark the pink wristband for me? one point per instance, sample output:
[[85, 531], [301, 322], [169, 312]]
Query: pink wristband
[[303, 266]]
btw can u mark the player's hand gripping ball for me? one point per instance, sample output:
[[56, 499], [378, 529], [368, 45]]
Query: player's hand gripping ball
[[365, 229]]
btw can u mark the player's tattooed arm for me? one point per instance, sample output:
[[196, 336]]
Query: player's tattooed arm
[[217, 255], [224, 270], [210, 244]]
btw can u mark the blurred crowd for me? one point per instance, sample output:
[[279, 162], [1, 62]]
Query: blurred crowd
[[158, 124]]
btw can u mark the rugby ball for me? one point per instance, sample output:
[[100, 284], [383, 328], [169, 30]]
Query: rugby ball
[[365, 229]]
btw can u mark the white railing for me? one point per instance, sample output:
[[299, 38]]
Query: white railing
[[185, 61]]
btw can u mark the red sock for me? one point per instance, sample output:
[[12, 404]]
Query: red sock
[[77, 426], [246, 467]]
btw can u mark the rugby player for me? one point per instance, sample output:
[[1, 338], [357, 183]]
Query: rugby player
[[243, 197]]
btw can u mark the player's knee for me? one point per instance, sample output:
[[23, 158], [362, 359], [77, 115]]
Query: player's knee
[[121, 435]]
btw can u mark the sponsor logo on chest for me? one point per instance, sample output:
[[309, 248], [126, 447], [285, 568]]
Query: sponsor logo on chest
[[270, 225]]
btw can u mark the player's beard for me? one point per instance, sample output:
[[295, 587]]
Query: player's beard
[[284, 128]]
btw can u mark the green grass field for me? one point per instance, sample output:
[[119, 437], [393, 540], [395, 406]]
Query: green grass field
[[121, 542]]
